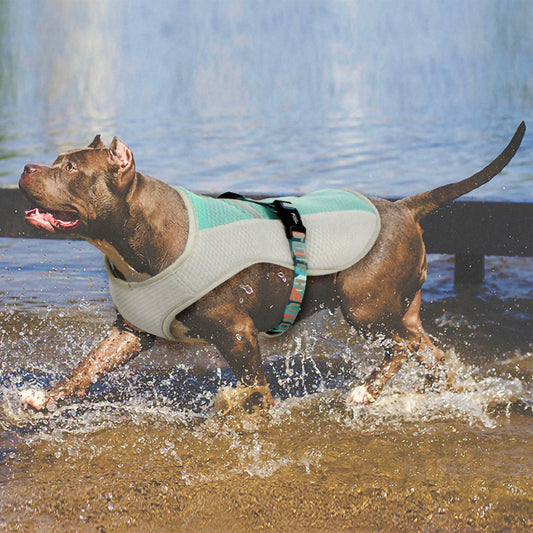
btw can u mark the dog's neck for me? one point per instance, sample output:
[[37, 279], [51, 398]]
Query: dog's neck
[[127, 271], [148, 232]]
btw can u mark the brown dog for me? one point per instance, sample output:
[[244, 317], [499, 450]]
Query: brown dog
[[141, 225]]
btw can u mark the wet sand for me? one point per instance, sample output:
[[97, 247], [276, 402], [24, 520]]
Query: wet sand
[[287, 471]]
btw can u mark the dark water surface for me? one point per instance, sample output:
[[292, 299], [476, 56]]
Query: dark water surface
[[268, 97]]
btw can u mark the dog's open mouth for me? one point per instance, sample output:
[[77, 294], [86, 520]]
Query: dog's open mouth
[[52, 220]]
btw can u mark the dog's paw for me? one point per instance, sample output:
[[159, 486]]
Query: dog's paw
[[359, 396], [34, 398], [241, 398]]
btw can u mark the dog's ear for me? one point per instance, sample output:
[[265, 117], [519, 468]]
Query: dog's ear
[[97, 143], [122, 159]]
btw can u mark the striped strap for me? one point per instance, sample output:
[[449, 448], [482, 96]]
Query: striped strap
[[296, 234]]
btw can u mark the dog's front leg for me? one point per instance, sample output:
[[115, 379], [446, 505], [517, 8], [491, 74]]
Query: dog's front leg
[[120, 345], [235, 336]]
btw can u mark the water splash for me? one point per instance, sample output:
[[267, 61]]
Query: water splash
[[302, 381], [247, 289], [310, 373]]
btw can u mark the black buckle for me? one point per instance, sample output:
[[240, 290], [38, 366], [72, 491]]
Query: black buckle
[[290, 217]]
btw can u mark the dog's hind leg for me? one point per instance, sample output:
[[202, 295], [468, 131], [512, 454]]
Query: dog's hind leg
[[395, 356], [410, 339], [425, 351]]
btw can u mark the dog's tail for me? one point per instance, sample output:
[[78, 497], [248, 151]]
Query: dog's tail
[[422, 204]]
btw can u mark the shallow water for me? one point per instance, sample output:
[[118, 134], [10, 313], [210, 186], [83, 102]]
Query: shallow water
[[146, 449], [268, 97]]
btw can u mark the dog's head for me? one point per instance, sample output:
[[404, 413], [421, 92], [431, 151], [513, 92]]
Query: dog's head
[[81, 190]]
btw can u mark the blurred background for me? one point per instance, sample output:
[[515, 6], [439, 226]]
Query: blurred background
[[272, 96]]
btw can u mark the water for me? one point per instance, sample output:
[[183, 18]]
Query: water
[[268, 97]]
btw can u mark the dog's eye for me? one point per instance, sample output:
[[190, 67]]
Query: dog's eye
[[70, 167]]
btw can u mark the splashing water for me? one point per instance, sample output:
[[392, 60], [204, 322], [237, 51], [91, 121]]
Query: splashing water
[[151, 425], [301, 368], [247, 289]]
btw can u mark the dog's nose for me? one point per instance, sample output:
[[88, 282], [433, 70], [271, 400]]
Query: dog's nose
[[30, 169]]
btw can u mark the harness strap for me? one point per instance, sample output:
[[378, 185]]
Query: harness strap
[[296, 234]]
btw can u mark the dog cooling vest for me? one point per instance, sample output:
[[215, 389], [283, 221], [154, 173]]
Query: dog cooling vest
[[227, 236]]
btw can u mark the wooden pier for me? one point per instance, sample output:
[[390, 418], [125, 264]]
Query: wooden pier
[[468, 230]]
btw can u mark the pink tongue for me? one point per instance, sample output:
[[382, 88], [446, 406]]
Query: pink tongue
[[47, 221], [40, 220]]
